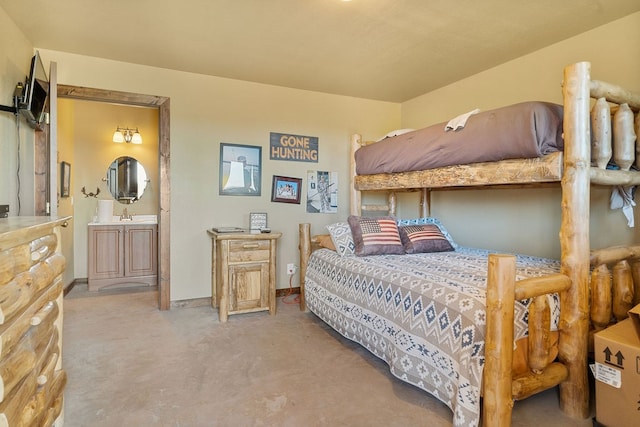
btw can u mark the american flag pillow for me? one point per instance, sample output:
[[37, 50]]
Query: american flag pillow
[[423, 238], [375, 236]]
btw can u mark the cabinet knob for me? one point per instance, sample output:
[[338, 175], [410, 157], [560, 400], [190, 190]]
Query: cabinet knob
[[251, 246]]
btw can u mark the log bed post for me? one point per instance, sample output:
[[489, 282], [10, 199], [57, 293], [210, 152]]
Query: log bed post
[[425, 202], [392, 203], [304, 233], [356, 196], [574, 240], [498, 353]]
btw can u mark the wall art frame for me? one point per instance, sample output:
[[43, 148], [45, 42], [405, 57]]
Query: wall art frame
[[286, 189], [65, 179], [240, 170], [257, 220], [322, 192]]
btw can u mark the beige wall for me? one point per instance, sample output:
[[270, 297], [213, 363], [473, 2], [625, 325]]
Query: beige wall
[[528, 220], [206, 111], [14, 65]]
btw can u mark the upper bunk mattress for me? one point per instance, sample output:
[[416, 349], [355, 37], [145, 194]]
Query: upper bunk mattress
[[525, 130]]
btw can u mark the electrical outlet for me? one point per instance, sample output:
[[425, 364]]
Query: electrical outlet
[[291, 268]]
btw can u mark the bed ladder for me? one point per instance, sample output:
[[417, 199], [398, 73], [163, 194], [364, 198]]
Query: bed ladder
[[390, 208]]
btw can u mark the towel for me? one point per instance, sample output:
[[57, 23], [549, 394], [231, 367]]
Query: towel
[[622, 198], [459, 122]]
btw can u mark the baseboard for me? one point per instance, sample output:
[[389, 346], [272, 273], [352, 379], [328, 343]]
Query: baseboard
[[72, 284], [199, 302], [195, 302], [187, 303]]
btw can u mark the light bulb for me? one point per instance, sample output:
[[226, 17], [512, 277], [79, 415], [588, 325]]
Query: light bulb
[[136, 138], [118, 136]]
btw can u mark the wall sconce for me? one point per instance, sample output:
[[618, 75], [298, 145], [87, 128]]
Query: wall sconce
[[127, 135]]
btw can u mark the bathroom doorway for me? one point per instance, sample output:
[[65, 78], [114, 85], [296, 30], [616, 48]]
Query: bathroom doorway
[[162, 104]]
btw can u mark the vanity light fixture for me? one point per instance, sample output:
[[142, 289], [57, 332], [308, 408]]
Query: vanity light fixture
[[127, 135]]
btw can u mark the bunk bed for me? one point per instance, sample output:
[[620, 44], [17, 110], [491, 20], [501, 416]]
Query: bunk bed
[[594, 287]]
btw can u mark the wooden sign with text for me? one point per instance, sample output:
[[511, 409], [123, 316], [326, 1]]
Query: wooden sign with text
[[296, 148]]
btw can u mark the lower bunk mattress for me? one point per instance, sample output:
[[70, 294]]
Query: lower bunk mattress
[[424, 314]]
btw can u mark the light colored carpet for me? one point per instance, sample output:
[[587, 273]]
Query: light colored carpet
[[130, 364]]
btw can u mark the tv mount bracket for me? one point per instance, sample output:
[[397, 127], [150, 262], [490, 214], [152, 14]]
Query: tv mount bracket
[[13, 110], [16, 95]]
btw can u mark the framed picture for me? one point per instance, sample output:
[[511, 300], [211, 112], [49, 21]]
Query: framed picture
[[240, 170], [322, 192], [286, 190], [65, 179], [257, 220]]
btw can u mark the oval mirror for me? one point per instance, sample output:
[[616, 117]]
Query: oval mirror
[[126, 179]]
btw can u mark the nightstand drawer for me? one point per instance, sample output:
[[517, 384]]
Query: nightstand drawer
[[249, 250]]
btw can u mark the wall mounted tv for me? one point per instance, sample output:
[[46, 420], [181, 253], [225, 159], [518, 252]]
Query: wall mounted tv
[[34, 96]]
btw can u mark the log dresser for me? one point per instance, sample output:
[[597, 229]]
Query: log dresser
[[243, 272], [31, 377]]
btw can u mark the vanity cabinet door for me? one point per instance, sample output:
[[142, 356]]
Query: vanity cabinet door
[[106, 248], [141, 250]]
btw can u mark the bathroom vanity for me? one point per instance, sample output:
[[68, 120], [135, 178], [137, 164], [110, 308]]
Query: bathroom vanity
[[123, 252]]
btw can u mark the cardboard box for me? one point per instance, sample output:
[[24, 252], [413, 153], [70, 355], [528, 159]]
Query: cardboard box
[[617, 373]]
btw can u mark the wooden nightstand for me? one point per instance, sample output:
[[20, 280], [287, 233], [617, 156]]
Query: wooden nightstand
[[243, 272]]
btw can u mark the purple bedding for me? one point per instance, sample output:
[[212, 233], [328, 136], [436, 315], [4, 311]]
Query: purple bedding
[[525, 130]]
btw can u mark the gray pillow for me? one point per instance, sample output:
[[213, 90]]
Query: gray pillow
[[340, 233]]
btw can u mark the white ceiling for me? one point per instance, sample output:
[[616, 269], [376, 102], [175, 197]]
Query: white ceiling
[[390, 50]]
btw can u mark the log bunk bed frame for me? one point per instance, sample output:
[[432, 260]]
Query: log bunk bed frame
[[589, 300]]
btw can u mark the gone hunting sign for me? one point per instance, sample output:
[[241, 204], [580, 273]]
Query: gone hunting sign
[[295, 148]]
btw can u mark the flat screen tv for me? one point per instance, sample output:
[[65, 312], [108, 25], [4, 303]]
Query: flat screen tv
[[34, 95]]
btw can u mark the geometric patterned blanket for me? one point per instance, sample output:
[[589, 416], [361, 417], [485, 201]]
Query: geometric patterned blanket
[[424, 314]]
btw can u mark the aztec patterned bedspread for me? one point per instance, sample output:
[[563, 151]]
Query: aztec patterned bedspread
[[423, 314]]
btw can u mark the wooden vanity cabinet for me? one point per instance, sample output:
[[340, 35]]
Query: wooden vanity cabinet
[[122, 254], [243, 272]]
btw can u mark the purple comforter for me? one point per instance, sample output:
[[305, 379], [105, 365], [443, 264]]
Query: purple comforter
[[525, 130]]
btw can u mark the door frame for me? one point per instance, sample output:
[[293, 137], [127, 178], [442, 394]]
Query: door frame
[[162, 103]]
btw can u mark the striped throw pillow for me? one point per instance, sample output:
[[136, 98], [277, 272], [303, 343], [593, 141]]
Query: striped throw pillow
[[423, 238], [375, 236]]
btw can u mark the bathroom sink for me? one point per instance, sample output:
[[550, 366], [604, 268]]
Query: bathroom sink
[[145, 219], [135, 219]]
